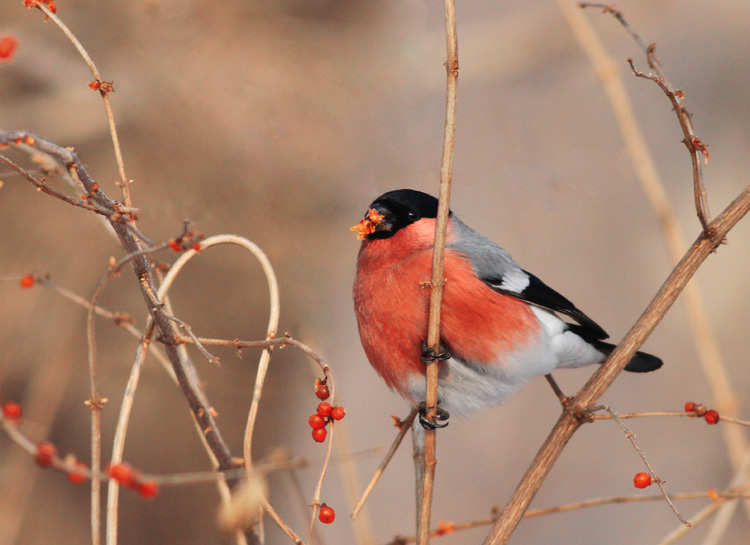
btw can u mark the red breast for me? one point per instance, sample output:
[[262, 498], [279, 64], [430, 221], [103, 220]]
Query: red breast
[[391, 299]]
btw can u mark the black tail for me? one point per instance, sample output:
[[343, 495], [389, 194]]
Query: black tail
[[641, 362]]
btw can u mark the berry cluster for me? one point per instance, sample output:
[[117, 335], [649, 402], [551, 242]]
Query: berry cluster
[[129, 477], [325, 413], [711, 416]]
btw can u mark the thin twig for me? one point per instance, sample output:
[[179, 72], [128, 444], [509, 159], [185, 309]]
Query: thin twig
[[319, 486], [631, 437], [556, 389], [403, 429], [437, 278], [445, 528], [740, 481], [189, 330], [276, 341], [124, 182], [44, 188], [281, 524], [121, 319], [694, 145]]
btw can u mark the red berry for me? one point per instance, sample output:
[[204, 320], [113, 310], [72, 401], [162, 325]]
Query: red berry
[[324, 409], [122, 473], [316, 421], [174, 245], [27, 281], [319, 434], [12, 411], [321, 390], [45, 453], [337, 413], [642, 480], [712, 416], [700, 409], [690, 407], [327, 514], [77, 475], [8, 45], [148, 489]]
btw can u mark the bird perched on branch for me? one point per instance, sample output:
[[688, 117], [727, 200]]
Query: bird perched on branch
[[500, 325]]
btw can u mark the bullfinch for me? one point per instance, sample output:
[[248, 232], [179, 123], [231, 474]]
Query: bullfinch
[[500, 325]]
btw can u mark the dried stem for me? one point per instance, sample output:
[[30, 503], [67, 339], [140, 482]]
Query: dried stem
[[121, 430], [281, 524], [403, 428], [570, 420], [437, 279]]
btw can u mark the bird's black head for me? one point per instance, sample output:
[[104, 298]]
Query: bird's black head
[[395, 210]]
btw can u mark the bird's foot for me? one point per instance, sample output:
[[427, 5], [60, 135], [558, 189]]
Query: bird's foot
[[441, 417], [429, 354]]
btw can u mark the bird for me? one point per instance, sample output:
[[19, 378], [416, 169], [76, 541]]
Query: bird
[[500, 325]]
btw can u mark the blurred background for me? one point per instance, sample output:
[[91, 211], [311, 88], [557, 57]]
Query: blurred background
[[281, 120]]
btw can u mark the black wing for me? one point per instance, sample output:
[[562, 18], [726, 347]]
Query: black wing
[[540, 294]]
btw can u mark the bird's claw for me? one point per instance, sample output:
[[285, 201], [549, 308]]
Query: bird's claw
[[429, 354], [441, 417]]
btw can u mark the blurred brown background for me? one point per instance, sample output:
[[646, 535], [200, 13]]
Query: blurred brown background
[[280, 120]]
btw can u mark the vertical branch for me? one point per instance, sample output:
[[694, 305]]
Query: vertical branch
[[437, 280]]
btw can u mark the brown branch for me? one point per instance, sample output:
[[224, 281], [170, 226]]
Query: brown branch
[[570, 420]]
